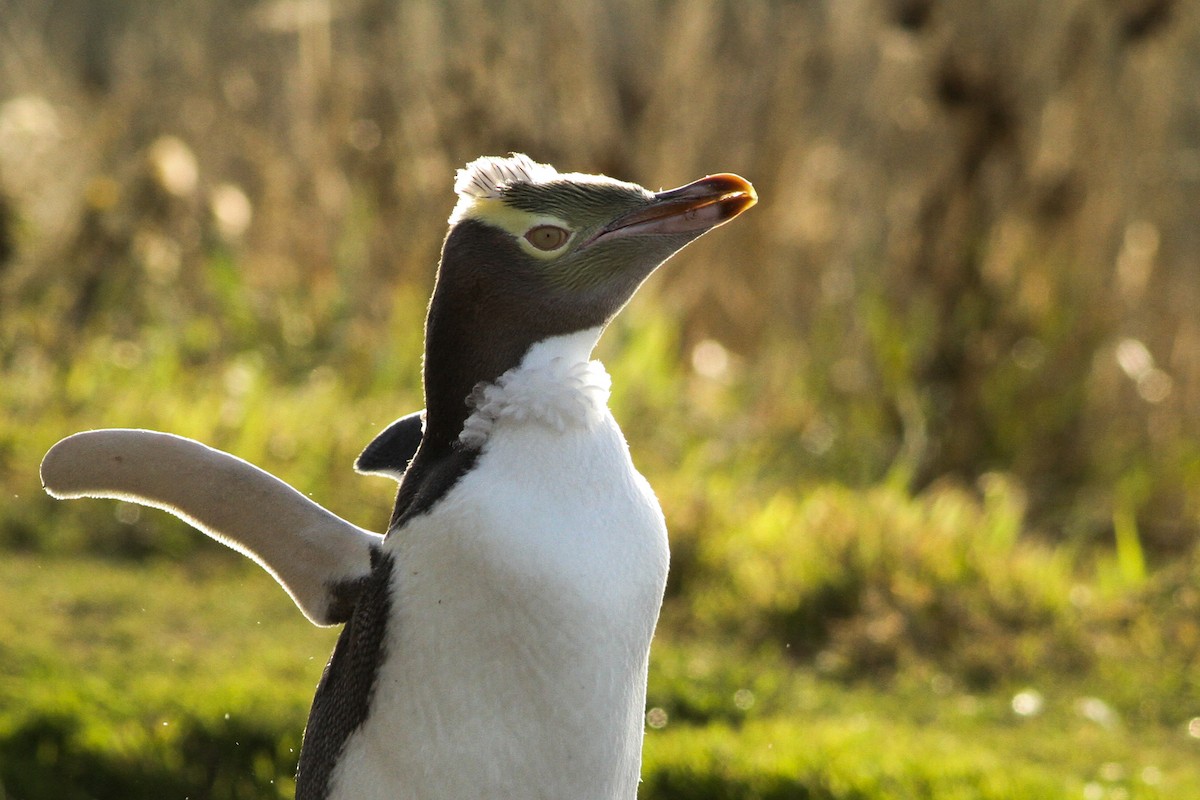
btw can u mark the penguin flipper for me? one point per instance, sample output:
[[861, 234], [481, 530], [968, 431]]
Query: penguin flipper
[[389, 453], [320, 559]]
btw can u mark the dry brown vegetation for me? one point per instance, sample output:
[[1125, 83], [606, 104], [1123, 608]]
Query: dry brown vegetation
[[977, 243]]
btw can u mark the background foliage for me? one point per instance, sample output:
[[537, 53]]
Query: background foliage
[[925, 423]]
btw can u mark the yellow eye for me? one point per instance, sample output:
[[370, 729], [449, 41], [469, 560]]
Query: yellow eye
[[547, 237]]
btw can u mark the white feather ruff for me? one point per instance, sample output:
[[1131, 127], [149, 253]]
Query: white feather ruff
[[558, 394]]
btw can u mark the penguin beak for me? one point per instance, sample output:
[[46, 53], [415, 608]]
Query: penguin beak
[[691, 209]]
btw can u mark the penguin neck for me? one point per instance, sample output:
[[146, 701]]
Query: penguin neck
[[555, 386], [449, 398], [442, 457], [490, 311], [567, 348]]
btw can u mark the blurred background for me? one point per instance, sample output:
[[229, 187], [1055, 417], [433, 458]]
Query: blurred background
[[925, 423]]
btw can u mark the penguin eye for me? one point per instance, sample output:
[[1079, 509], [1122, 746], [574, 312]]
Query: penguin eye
[[547, 237]]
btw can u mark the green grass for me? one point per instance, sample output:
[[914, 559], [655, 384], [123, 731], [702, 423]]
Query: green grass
[[166, 679], [150, 680], [818, 640]]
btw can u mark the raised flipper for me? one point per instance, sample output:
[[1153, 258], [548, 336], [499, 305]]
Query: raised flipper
[[320, 559], [389, 452]]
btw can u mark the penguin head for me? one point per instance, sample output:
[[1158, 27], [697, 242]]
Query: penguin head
[[533, 253], [571, 243]]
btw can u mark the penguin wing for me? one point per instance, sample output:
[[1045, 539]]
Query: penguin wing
[[320, 559], [389, 453]]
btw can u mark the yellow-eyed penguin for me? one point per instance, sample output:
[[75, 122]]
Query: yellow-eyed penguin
[[496, 639]]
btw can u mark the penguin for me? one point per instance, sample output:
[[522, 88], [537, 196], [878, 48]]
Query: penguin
[[496, 638]]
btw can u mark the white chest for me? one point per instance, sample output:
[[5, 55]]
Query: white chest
[[524, 602]]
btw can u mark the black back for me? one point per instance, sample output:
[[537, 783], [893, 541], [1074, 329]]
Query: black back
[[343, 697]]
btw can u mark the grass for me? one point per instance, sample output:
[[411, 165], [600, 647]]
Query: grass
[[166, 679], [154, 680], [818, 640]]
